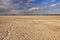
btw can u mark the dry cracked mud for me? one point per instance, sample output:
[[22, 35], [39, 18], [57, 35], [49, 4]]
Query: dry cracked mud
[[29, 27]]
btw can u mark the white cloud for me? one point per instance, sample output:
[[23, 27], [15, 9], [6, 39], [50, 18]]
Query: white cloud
[[34, 8], [31, 0], [53, 5], [1, 6], [6, 3], [16, 12], [53, 1]]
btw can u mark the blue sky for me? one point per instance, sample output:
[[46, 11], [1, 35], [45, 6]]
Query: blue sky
[[37, 1], [32, 3], [49, 5]]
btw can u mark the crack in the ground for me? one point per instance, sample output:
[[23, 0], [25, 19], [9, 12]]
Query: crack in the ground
[[5, 35]]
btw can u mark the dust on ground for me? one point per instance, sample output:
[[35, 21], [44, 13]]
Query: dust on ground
[[29, 27]]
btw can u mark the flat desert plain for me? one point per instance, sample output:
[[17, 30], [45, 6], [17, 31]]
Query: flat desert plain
[[29, 27]]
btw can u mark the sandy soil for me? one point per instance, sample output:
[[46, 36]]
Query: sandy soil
[[29, 27]]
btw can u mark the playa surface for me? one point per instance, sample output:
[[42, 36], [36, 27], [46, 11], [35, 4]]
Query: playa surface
[[29, 27]]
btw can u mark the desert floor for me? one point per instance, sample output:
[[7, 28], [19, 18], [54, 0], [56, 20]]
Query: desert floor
[[29, 27]]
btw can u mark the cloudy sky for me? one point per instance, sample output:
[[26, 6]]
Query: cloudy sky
[[21, 6]]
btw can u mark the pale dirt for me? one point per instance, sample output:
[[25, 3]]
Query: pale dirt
[[29, 27]]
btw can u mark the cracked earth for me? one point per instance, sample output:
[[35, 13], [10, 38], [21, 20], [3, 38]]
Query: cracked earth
[[29, 27]]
